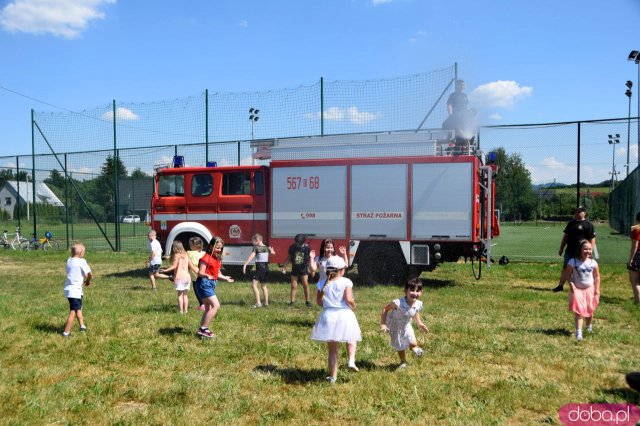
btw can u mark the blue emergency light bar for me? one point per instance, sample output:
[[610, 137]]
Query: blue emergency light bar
[[178, 161]]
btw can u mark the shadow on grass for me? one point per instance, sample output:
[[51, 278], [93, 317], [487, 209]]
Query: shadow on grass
[[296, 322], [437, 284], [294, 376], [625, 394], [133, 273], [47, 328], [549, 289], [552, 331], [172, 331]]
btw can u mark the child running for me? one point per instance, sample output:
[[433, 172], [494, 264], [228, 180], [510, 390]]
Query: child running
[[78, 273], [181, 265], [261, 254], [155, 259], [195, 253], [396, 320], [299, 256], [584, 278], [337, 322], [208, 274]]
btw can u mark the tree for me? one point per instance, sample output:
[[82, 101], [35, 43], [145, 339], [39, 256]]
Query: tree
[[514, 193], [109, 165], [105, 186], [55, 178], [138, 174]]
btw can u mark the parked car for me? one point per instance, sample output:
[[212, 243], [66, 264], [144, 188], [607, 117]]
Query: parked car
[[132, 218]]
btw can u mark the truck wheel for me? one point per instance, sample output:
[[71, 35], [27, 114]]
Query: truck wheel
[[382, 264]]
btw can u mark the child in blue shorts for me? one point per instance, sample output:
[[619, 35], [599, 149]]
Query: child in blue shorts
[[78, 273]]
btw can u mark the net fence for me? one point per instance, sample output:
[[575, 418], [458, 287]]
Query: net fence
[[90, 174]]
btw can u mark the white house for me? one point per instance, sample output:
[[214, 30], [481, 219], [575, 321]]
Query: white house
[[9, 195]]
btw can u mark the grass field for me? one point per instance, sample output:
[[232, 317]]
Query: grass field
[[500, 351], [540, 243]]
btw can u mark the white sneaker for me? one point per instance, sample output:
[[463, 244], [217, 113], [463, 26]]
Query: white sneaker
[[352, 365], [257, 305], [418, 351], [578, 335], [403, 365], [331, 379], [589, 329]]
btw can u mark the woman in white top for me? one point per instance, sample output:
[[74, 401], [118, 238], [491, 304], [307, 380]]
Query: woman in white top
[[337, 323]]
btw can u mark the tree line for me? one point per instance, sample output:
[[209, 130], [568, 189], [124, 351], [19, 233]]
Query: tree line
[[98, 193]]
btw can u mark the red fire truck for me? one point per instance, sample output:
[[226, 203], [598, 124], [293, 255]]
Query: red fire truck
[[401, 203]]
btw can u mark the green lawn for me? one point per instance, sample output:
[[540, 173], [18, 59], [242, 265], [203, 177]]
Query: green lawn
[[500, 351], [540, 243]]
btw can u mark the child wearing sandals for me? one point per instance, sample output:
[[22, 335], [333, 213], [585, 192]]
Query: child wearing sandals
[[337, 323], [396, 320], [584, 278], [208, 275]]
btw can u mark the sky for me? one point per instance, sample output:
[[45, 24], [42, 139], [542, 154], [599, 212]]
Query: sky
[[523, 62]]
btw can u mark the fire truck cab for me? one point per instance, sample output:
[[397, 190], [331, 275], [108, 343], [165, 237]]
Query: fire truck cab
[[399, 202]]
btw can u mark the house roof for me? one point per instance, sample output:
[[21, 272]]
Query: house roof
[[44, 195]]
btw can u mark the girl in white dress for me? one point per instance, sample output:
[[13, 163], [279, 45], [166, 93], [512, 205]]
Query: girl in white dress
[[337, 323], [181, 265], [396, 320]]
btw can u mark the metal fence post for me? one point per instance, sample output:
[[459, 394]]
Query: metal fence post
[[206, 126], [578, 168], [66, 198], [116, 172], [33, 173], [18, 185], [321, 106]]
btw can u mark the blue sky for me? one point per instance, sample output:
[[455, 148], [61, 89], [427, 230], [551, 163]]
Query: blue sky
[[523, 62]]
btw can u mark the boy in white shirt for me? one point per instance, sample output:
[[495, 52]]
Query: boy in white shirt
[[78, 273], [155, 259]]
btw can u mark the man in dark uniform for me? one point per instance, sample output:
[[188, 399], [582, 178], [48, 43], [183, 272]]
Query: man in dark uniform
[[578, 228], [461, 118]]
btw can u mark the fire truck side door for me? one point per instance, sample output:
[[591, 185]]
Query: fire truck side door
[[235, 207], [202, 205], [260, 213]]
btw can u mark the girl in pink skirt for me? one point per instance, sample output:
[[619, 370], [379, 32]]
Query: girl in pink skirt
[[584, 295]]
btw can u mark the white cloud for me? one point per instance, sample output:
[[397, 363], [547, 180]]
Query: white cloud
[[360, 117], [338, 114], [243, 23], [377, 2], [63, 18], [123, 114], [495, 116], [551, 168], [500, 94]]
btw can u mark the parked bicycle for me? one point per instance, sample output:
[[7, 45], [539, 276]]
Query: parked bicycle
[[14, 243], [46, 243]]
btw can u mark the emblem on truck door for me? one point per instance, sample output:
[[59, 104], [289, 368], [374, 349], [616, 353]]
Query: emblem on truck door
[[234, 231]]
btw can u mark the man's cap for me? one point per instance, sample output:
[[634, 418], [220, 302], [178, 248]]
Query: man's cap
[[580, 209]]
